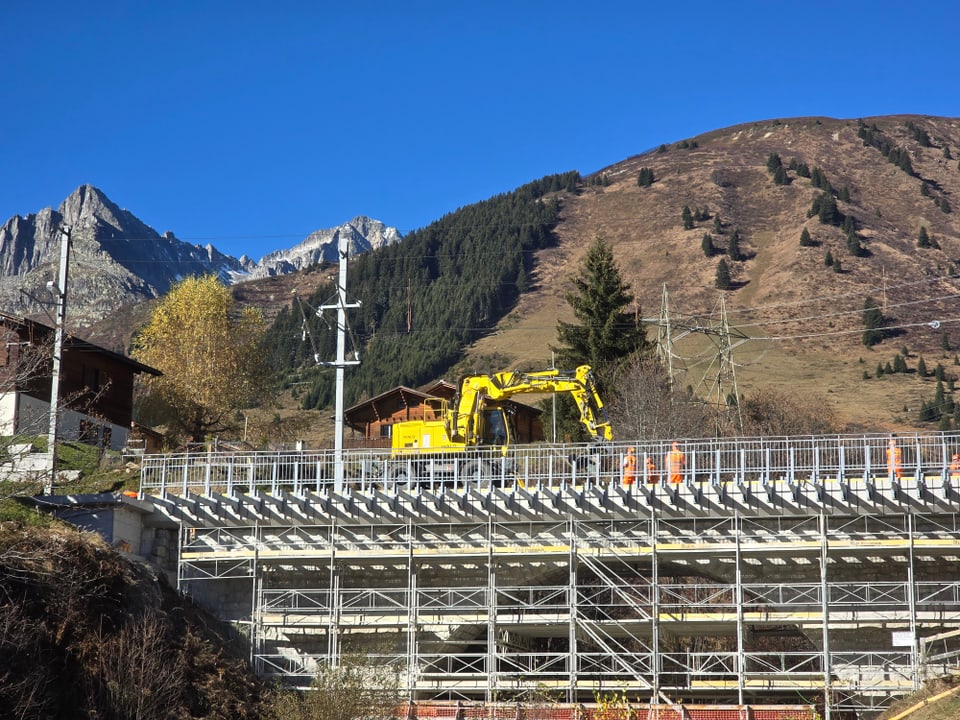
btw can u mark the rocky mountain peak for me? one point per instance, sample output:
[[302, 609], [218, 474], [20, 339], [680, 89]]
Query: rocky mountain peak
[[363, 234], [118, 259]]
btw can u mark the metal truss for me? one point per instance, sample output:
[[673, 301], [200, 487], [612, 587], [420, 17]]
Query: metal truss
[[828, 607]]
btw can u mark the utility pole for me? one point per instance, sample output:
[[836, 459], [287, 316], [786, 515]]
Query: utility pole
[[664, 340], [60, 293], [727, 369], [341, 362]]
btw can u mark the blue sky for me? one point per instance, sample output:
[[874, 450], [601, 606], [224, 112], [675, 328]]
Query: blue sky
[[251, 124]]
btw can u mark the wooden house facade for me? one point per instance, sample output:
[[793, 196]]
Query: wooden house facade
[[371, 421], [96, 385]]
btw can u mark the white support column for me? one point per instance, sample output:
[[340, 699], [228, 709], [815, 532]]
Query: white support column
[[333, 631], [491, 616], [341, 362], [915, 673], [412, 616], [741, 656], [825, 613], [256, 598], [572, 601], [60, 291], [654, 610]]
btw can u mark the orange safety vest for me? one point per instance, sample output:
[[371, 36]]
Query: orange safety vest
[[675, 459], [652, 476], [629, 468], [893, 461], [955, 467]]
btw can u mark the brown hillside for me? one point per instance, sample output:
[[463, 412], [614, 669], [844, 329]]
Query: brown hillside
[[803, 321], [806, 320]]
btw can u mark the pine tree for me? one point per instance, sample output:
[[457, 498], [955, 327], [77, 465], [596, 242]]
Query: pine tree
[[707, 245], [828, 259], [733, 247], [723, 281], [899, 364], [805, 239], [605, 333], [780, 177], [887, 369], [819, 180], [827, 210], [854, 246], [837, 265], [872, 322], [717, 224], [645, 178], [921, 368], [879, 369], [773, 162], [687, 217], [923, 239], [844, 194]]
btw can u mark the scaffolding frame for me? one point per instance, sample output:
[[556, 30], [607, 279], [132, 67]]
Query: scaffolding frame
[[496, 610]]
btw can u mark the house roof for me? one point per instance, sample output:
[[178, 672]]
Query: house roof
[[374, 408], [385, 404], [74, 343]]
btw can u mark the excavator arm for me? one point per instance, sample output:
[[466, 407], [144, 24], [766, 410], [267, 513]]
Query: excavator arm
[[475, 390]]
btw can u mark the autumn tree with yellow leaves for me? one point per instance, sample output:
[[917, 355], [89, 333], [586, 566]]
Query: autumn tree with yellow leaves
[[209, 354]]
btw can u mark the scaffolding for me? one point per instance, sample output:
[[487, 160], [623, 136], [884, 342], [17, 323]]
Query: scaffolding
[[777, 571]]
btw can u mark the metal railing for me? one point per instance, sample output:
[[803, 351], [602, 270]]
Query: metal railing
[[782, 460]]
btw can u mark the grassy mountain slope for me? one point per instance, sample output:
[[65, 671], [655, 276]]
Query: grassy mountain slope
[[805, 319], [796, 324]]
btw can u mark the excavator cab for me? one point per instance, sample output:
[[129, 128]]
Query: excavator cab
[[498, 427]]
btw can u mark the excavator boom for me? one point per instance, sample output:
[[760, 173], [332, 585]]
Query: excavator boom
[[476, 390]]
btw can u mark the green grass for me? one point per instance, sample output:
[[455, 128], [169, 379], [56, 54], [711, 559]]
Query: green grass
[[100, 471]]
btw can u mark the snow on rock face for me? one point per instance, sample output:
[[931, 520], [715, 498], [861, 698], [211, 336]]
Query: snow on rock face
[[363, 234], [117, 259]]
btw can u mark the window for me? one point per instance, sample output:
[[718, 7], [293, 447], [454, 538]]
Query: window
[[91, 378]]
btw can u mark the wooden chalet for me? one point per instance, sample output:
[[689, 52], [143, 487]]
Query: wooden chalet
[[96, 386], [371, 421]]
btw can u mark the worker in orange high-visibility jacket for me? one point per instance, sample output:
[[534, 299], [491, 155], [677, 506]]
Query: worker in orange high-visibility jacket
[[955, 467], [675, 462], [629, 466], [651, 470], [894, 457]]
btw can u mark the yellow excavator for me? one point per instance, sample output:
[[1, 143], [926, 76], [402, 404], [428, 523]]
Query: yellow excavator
[[476, 427]]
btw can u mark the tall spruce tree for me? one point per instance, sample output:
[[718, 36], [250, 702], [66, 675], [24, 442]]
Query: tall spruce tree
[[873, 321], [605, 334]]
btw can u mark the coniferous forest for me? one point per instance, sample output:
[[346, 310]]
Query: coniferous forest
[[423, 299]]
